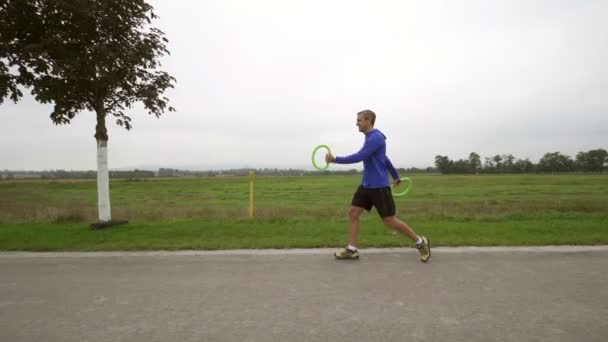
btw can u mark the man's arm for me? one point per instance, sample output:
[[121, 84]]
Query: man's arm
[[392, 171], [370, 146]]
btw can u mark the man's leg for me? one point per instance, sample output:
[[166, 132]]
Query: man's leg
[[383, 200], [395, 223], [350, 252], [422, 243], [355, 224], [361, 201]]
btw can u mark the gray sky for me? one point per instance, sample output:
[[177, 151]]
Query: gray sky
[[261, 83]]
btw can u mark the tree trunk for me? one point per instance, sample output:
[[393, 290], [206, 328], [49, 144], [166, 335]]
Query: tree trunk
[[103, 182], [103, 177]]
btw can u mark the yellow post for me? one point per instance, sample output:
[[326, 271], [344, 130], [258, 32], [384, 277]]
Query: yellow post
[[251, 178]]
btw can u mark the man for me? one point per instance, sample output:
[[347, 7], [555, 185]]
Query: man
[[375, 189]]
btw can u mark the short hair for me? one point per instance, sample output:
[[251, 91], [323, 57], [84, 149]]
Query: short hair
[[368, 114]]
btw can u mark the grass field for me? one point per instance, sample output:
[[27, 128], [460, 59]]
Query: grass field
[[310, 211]]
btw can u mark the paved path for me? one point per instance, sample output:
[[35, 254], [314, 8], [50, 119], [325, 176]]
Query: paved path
[[462, 294]]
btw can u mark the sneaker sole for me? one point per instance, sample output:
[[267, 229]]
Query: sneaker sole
[[354, 258]]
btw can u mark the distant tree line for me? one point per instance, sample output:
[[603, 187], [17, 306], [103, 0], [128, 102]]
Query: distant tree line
[[72, 174], [590, 161], [555, 162], [272, 172], [168, 172]]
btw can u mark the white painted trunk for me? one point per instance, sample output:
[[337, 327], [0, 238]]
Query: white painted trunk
[[103, 182]]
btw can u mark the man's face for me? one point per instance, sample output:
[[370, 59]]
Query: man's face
[[363, 123]]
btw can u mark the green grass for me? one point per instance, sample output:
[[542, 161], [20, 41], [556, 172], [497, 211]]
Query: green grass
[[298, 212]]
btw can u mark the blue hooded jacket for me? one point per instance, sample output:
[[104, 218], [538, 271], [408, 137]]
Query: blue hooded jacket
[[375, 162]]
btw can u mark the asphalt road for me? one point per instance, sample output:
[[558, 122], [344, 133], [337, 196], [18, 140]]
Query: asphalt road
[[462, 294]]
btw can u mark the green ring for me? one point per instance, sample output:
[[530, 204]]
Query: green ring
[[313, 157], [409, 187]]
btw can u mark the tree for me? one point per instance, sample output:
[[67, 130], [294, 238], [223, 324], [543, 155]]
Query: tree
[[96, 55], [555, 162], [498, 163], [475, 162], [461, 166], [507, 166], [488, 165], [523, 166], [593, 160], [443, 164]]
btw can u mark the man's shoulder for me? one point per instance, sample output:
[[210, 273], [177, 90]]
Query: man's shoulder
[[376, 135]]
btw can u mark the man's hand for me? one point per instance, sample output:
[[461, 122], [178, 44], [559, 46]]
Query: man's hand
[[330, 158], [397, 181]]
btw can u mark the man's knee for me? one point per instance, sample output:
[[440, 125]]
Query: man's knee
[[389, 221], [354, 213]]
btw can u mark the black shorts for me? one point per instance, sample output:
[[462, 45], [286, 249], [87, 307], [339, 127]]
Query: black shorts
[[381, 198]]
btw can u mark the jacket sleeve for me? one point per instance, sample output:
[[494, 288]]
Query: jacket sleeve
[[370, 146], [391, 169]]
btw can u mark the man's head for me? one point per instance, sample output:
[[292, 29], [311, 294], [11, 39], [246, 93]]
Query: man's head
[[365, 120]]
